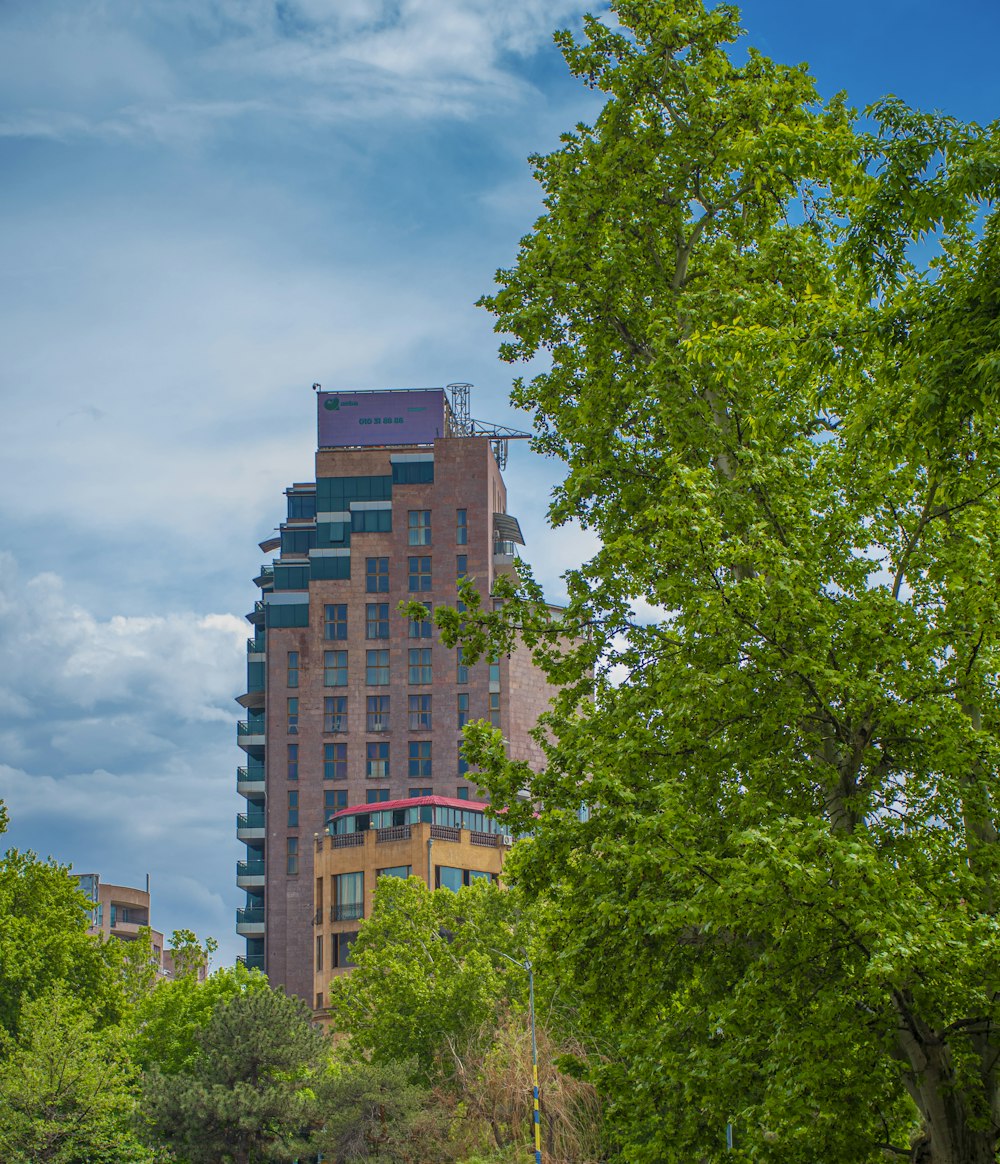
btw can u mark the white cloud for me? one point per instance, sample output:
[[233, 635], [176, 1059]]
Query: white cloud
[[158, 69]]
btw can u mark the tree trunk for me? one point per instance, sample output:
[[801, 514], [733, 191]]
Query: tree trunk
[[953, 1133]]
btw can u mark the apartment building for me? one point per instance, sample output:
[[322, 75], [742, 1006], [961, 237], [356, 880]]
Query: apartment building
[[348, 702]]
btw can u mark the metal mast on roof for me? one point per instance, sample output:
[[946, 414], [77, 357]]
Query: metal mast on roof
[[463, 424]]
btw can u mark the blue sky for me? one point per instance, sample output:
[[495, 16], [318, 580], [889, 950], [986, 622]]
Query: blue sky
[[206, 206]]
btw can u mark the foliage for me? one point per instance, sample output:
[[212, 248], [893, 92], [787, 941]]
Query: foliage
[[430, 972], [44, 940], [66, 1089], [247, 1096], [373, 1111], [782, 910], [188, 955], [169, 1018]]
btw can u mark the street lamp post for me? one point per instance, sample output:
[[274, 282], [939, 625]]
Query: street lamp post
[[536, 1110]]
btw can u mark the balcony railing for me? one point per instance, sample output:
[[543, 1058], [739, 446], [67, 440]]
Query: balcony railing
[[486, 840], [395, 833], [353, 911], [346, 840], [250, 775], [250, 868], [251, 961], [251, 915], [250, 820], [250, 727], [445, 833], [257, 646]]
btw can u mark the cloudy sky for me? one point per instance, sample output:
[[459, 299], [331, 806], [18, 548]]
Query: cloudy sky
[[206, 206]]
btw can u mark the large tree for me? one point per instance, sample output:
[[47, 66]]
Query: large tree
[[774, 345], [247, 1095]]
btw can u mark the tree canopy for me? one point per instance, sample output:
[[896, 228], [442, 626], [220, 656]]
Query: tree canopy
[[773, 344]]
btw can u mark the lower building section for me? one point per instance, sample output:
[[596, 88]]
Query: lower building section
[[445, 842]]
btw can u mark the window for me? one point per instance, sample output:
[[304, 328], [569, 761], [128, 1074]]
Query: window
[[461, 565], [377, 668], [413, 473], [419, 527], [377, 575], [494, 715], [293, 761], [335, 761], [377, 760], [376, 795], [494, 670], [319, 964], [421, 792], [348, 896], [377, 620], [420, 665], [340, 950], [447, 877], [377, 713], [292, 856], [419, 709], [420, 628], [297, 541], [293, 810], [463, 709], [462, 792], [463, 763], [301, 505], [461, 527], [334, 668], [371, 520], [293, 716], [403, 871], [292, 677], [335, 622], [418, 575], [419, 759], [335, 713], [334, 799], [462, 671]]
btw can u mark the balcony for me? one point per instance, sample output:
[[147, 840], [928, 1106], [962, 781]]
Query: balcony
[[250, 734], [504, 559], [256, 616], [352, 911], [251, 961], [250, 874], [265, 579], [257, 645], [250, 781], [251, 826], [250, 921]]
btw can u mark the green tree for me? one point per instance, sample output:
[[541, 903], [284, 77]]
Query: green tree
[[169, 1018], [247, 1096], [44, 940], [780, 418], [67, 1091], [374, 1111], [428, 977]]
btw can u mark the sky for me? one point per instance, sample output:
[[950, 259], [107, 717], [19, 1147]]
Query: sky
[[205, 207]]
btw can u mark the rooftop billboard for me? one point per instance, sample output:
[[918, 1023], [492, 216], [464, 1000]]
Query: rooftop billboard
[[406, 417]]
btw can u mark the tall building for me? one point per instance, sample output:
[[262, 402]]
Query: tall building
[[348, 702]]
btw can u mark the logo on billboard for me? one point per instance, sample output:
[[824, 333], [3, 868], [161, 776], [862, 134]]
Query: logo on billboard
[[332, 402]]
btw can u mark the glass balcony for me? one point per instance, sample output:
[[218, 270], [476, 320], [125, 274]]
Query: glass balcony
[[256, 616], [250, 820], [250, 868], [251, 961], [250, 915], [257, 645]]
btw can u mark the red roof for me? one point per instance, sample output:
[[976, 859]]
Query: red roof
[[411, 801]]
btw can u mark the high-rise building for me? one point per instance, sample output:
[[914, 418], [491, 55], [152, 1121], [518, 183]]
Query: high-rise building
[[348, 701]]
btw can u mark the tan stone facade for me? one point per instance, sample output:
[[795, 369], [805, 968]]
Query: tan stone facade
[[400, 845]]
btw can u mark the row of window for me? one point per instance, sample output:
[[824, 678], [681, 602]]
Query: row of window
[[419, 762], [419, 666], [376, 622], [419, 712], [418, 573]]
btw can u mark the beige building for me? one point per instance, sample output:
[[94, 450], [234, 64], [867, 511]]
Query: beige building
[[445, 841], [120, 911]]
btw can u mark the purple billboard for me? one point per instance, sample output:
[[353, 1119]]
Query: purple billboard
[[406, 417]]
